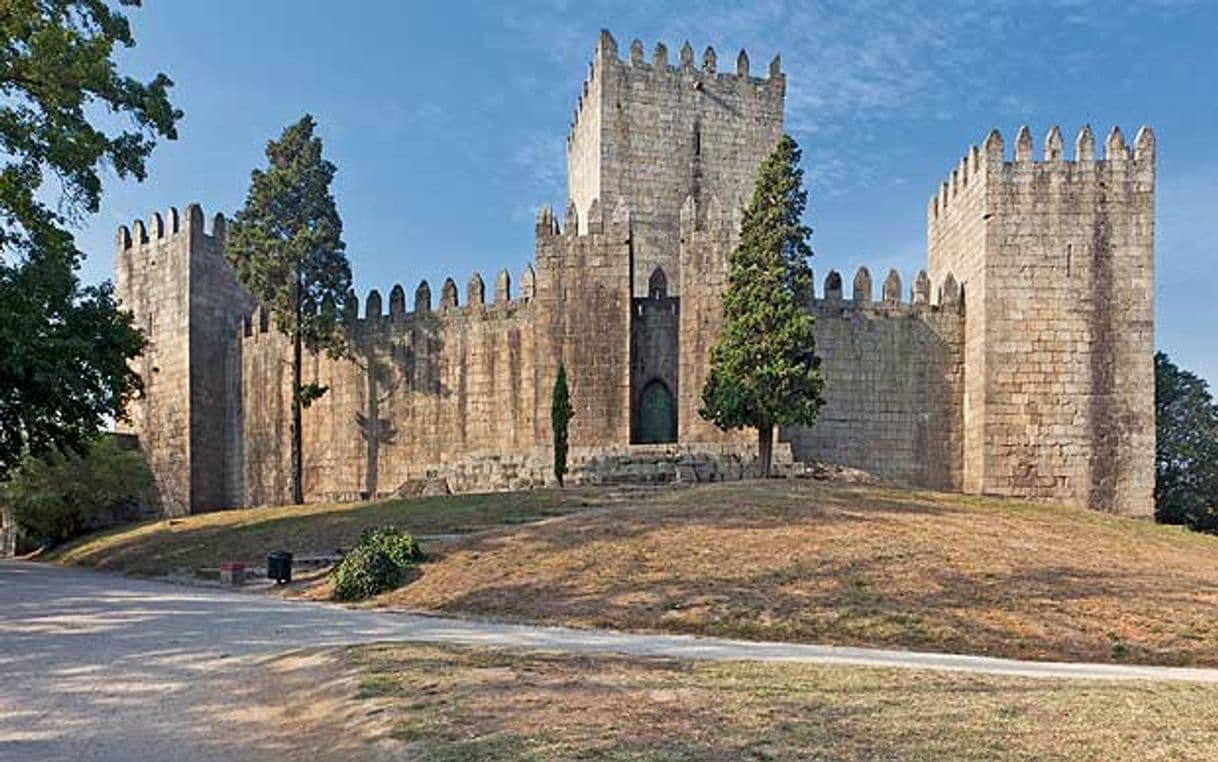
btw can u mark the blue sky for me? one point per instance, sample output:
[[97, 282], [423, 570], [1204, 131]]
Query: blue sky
[[447, 120]]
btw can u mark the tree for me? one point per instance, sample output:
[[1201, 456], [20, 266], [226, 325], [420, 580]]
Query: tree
[[64, 347], [1186, 449], [764, 371], [561, 414], [60, 495], [286, 247]]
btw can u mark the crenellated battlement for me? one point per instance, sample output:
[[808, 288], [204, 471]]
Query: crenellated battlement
[[696, 74], [947, 297], [160, 228], [991, 162], [370, 314], [594, 221]]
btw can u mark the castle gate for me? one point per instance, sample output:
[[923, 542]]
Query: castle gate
[[657, 414]]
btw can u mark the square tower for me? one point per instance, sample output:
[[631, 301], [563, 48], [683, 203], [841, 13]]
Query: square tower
[[649, 135], [1056, 261], [171, 274]]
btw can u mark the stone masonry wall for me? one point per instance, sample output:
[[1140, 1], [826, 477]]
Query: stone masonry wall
[[420, 387], [663, 132], [1057, 258], [894, 374], [164, 272]]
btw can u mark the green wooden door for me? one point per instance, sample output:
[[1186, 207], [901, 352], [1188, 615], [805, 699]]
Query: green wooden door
[[657, 414]]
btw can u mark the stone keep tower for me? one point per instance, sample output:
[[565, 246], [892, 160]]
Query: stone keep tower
[[172, 275], [1056, 262], [652, 137]]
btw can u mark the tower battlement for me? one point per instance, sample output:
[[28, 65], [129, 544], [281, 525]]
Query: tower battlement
[[159, 228], [684, 69], [653, 132], [992, 163]]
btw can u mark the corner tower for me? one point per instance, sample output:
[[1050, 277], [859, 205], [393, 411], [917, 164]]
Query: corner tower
[[172, 275], [1056, 261]]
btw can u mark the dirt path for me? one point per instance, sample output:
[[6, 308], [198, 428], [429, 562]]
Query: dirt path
[[101, 667]]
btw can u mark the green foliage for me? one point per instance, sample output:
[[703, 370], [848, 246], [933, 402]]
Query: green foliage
[[286, 242], [287, 249], [561, 414], [764, 371], [64, 494], [1186, 450], [379, 562], [63, 347]]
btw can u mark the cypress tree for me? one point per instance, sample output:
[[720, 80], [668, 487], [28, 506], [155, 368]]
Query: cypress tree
[[286, 247], [561, 414], [764, 371]]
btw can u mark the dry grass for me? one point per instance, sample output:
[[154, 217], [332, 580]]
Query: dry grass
[[206, 540], [434, 703], [857, 566]]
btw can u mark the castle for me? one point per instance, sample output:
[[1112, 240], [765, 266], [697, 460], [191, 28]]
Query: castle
[[1020, 363]]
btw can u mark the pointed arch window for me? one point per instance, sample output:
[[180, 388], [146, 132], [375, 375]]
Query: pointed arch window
[[657, 284]]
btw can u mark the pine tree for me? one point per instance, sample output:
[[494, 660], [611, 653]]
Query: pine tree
[[286, 246], [764, 371], [561, 414]]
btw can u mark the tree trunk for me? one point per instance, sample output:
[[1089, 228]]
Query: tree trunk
[[297, 439], [372, 431], [765, 449]]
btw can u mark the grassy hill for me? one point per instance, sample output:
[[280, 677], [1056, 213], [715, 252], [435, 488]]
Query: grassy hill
[[157, 548], [774, 560]]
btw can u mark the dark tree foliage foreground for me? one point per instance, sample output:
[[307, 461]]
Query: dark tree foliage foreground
[[64, 347], [1186, 450], [561, 414], [287, 249], [764, 371]]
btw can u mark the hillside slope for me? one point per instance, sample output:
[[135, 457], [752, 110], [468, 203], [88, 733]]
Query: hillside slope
[[858, 566]]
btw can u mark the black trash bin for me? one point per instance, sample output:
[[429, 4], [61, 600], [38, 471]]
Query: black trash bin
[[279, 566]]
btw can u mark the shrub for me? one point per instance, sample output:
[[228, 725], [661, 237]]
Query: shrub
[[64, 494], [379, 562]]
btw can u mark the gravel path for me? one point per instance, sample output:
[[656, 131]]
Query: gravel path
[[101, 667]]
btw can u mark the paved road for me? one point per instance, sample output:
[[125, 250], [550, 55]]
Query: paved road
[[100, 667]]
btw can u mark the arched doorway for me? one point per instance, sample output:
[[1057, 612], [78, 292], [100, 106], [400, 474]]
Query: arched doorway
[[657, 414]]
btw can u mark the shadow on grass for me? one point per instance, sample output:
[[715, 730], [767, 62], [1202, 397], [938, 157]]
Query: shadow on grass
[[160, 547]]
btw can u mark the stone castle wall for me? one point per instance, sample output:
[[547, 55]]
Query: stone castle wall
[[1055, 258], [419, 387], [894, 375], [1020, 365]]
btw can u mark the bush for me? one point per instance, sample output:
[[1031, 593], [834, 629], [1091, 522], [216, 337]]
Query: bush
[[379, 562], [62, 495]]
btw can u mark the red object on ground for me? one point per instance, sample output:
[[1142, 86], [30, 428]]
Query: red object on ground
[[232, 574]]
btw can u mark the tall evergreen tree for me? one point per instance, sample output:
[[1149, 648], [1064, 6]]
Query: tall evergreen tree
[[1186, 448], [287, 249], [764, 371], [561, 414], [64, 347]]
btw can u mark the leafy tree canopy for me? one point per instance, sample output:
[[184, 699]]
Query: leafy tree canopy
[[764, 371], [1186, 451], [63, 346]]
